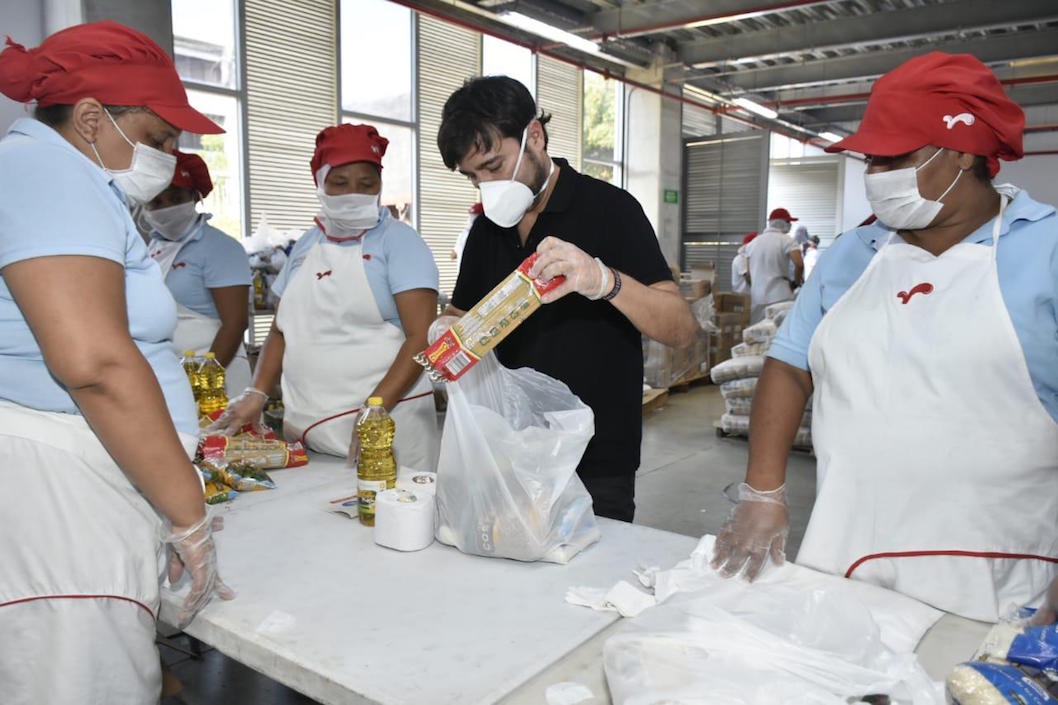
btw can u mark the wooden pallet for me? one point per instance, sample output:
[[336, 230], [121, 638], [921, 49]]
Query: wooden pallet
[[654, 399], [689, 380]]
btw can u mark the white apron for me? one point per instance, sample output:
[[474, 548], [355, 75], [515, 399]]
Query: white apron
[[937, 462], [81, 565], [338, 348], [195, 331]]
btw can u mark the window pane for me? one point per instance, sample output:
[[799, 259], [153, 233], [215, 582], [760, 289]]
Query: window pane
[[398, 167], [376, 59], [222, 154], [604, 172], [601, 117], [501, 58], [204, 41]]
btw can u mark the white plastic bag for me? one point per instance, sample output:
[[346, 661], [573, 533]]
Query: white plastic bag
[[737, 368], [739, 388], [777, 312], [739, 406], [761, 332], [747, 349], [507, 485]]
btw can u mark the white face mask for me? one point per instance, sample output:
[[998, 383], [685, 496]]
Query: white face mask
[[895, 198], [506, 201], [348, 213], [174, 222], [150, 172]]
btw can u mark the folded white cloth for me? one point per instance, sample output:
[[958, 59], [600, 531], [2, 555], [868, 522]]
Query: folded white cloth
[[622, 598]]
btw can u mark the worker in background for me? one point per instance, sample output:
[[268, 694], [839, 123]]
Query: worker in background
[[207, 272], [617, 287], [97, 417], [461, 241], [770, 255], [811, 255], [740, 267], [928, 342], [356, 299]]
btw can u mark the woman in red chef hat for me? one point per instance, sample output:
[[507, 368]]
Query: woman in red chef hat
[[928, 341], [357, 297], [96, 414]]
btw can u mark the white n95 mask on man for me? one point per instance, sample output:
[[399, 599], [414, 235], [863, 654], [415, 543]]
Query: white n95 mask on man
[[174, 222], [348, 212], [150, 172], [506, 201], [896, 200]]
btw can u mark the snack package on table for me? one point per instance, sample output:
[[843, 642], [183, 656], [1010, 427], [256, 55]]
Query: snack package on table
[[1015, 665], [261, 452], [239, 476], [483, 327]]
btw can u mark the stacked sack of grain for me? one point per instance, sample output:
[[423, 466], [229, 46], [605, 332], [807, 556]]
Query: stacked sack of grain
[[737, 377]]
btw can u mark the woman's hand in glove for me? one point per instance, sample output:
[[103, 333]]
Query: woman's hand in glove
[[585, 275], [757, 528], [193, 550], [1048, 611], [243, 409]]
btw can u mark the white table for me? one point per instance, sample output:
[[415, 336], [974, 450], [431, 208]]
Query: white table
[[325, 611]]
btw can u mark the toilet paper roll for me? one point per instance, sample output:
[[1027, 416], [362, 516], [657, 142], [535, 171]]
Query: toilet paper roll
[[417, 481], [404, 520]]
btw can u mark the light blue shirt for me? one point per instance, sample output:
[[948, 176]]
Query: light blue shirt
[[209, 260], [395, 259], [54, 201], [1027, 264]]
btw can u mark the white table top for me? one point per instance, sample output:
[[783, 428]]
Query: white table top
[[325, 611]]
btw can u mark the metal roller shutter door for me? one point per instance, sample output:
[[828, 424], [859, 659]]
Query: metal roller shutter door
[[811, 192]]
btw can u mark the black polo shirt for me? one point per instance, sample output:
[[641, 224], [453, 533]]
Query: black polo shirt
[[589, 345]]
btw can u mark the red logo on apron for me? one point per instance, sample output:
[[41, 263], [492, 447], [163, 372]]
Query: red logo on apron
[[321, 275], [923, 288]]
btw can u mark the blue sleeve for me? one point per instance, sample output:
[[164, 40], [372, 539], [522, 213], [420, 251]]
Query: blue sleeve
[[52, 205], [295, 260], [790, 344], [227, 263], [410, 262]]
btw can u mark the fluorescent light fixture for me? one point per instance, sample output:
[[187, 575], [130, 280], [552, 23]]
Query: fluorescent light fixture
[[547, 31], [749, 105], [831, 137]]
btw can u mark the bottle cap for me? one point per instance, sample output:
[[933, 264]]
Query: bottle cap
[[374, 401], [189, 353], [211, 356]]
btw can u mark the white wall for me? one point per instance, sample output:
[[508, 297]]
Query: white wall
[[855, 208], [23, 21]]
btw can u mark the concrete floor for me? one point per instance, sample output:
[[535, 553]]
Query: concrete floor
[[680, 488]]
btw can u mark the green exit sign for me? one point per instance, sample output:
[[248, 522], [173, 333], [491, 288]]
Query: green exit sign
[[672, 196]]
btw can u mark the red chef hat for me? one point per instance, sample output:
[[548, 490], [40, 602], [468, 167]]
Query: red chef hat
[[192, 173], [749, 238], [945, 100], [781, 214], [344, 144], [107, 61]]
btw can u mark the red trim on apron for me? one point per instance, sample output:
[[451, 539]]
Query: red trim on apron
[[353, 411], [80, 597], [966, 554]]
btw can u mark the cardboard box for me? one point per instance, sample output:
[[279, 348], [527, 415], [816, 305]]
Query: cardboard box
[[729, 335], [664, 366], [728, 302], [692, 288]]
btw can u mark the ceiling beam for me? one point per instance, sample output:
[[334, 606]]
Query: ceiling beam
[[655, 17], [874, 28], [1005, 47]]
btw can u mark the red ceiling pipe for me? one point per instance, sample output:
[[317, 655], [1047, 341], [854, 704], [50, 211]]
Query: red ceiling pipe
[[714, 17], [1041, 152], [1052, 127]]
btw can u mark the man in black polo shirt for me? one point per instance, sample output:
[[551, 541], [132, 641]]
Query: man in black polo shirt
[[597, 236]]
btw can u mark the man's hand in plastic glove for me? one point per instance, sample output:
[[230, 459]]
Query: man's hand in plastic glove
[[1048, 611], [193, 551], [585, 275], [757, 528], [243, 409]]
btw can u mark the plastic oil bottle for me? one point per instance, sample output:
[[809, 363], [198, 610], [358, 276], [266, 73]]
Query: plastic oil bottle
[[211, 379], [191, 365], [376, 469]]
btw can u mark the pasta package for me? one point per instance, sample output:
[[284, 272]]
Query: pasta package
[[260, 452], [484, 326]]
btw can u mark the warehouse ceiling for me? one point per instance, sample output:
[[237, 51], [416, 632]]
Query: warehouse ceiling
[[812, 61]]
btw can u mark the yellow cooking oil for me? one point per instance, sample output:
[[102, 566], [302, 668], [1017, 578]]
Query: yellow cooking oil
[[211, 378], [376, 468], [190, 365]]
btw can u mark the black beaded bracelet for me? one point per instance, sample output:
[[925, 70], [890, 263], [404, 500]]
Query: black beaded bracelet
[[616, 285]]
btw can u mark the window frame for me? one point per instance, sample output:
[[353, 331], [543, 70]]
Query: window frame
[[620, 137]]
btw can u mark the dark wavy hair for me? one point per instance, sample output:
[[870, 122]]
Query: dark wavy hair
[[484, 111]]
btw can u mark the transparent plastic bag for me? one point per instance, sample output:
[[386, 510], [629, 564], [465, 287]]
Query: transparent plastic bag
[[737, 368], [761, 332], [777, 312], [749, 349], [507, 485], [739, 406], [739, 388], [736, 425]]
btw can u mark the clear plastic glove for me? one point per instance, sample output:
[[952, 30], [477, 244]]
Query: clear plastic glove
[[192, 550], [242, 410], [756, 529], [585, 275], [1048, 611], [440, 327]]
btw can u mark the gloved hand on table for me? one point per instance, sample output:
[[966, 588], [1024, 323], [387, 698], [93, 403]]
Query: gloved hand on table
[[756, 529], [585, 275], [243, 409], [192, 549], [1048, 611]]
